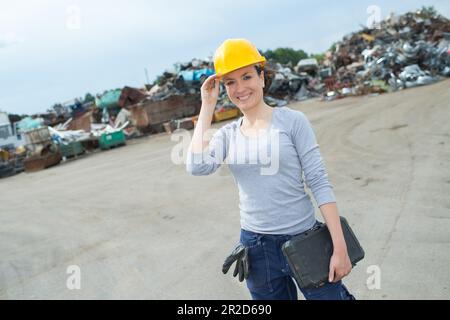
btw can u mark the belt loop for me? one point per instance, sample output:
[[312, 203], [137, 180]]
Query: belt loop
[[259, 239]]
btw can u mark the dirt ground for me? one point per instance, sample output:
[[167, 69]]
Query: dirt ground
[[139, 227]]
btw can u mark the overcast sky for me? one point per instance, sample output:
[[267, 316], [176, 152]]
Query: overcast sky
[[53, 51]]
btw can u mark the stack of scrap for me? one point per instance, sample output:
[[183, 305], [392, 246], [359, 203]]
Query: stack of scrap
[[182, 79], [406, 51]]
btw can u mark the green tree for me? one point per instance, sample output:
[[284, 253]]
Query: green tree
[[285, 55], [157, 81], [88, 98], [56, 108], [428, 12], [318, 56], [333, 47]]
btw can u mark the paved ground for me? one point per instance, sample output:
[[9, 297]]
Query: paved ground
[[139, 226]]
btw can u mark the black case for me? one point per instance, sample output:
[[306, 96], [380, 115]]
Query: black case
[[309, 254]]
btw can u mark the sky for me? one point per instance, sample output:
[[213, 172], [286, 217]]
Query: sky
[[52, 51]]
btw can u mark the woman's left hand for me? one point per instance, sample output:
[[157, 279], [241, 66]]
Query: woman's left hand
[[340, 266]]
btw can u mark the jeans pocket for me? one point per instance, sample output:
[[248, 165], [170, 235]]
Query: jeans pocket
[[258, 272], [249, 239]]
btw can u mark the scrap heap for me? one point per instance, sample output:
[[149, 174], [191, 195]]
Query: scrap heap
[[403, 52]]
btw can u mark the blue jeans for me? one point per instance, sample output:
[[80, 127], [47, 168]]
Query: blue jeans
[[270, 276]]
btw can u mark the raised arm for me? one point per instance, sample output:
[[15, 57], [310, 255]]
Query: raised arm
[[210, 94], [204, 157]]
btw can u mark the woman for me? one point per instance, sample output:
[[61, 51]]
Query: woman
[[269, 149]]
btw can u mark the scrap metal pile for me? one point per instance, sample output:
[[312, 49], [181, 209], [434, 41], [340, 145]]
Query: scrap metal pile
[[11, 161], [183, 78], [402, 52], [405, 51]]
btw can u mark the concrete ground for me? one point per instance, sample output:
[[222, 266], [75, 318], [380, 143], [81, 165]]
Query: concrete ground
[[139, 227]]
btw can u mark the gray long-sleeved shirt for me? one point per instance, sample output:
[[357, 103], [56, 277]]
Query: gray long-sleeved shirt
[[268, 172]]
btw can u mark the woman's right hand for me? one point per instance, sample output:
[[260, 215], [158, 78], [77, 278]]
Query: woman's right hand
[[210, 91]]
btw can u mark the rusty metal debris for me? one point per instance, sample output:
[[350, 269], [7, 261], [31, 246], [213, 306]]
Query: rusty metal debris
[[406, 51]]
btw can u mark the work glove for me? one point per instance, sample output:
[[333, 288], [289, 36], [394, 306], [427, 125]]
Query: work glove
[[240, 255]]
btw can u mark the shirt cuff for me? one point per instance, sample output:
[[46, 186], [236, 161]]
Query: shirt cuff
[[324, 195]]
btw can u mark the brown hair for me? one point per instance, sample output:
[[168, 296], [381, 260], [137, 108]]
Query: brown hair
[[268, 76]]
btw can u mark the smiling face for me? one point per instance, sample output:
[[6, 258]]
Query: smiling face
[[245, 87]]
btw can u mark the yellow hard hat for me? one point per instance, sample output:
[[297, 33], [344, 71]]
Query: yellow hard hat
[[234, 54]]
